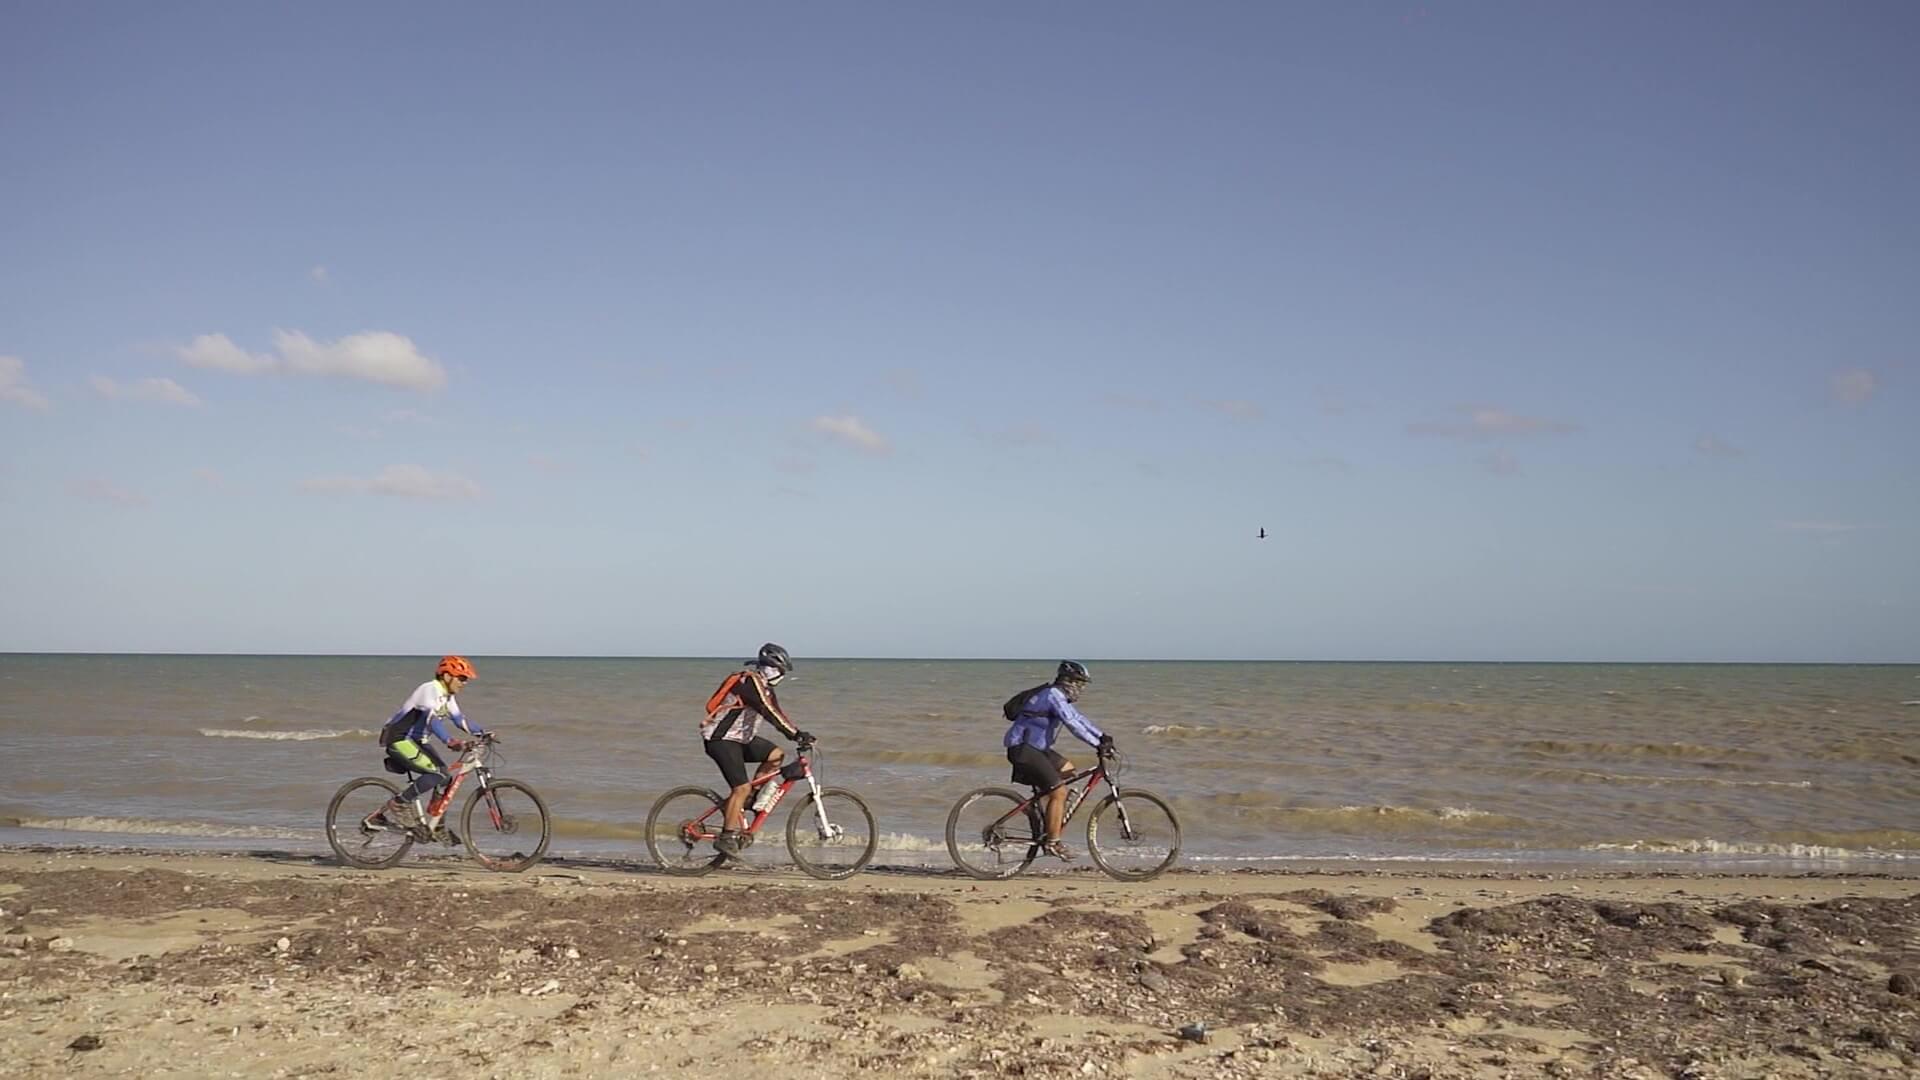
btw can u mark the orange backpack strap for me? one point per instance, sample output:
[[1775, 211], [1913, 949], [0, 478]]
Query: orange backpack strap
[[720, 696]]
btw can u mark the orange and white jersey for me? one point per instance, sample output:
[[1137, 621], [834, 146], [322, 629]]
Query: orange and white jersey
[[735, 710]]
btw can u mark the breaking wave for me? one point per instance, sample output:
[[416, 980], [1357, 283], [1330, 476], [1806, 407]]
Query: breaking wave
[[1735, 849], [148, 827], [287, 736]]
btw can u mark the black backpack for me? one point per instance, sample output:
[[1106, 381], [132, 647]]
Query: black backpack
[[1017, 704]]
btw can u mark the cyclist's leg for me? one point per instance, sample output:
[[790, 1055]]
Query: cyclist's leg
[[426, 767], [731, 757], [1040, 769], [766, 753]]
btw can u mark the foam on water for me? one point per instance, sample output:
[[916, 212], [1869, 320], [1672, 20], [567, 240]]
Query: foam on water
[[146, 827], [287, 736]]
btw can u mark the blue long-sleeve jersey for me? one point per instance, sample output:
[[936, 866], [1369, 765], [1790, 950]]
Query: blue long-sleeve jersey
[[1040, 718]]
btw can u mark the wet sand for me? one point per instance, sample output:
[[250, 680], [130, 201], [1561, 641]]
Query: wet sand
[[273, 964]]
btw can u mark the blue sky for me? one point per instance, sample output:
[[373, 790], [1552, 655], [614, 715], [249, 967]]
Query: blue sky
[[1526, 332]]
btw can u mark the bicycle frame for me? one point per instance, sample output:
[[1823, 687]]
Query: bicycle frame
[[474, 761], [757, 818], [1075, 800]]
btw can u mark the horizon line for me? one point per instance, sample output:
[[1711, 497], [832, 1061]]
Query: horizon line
[[971, 659]]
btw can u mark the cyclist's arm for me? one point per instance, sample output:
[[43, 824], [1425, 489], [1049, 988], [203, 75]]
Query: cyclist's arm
[[460, 720], [755, 692], [1082, 728]]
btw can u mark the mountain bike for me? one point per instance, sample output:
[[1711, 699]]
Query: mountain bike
[[830, 834], [996, 832], [504, 825]]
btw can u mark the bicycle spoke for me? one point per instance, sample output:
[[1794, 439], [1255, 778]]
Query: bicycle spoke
[[1133, 837], [841, 845], [372, 846], [681, 829], [987, 835], [506, 826]]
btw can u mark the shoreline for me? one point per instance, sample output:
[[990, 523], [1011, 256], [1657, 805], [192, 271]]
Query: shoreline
[[275, 963]]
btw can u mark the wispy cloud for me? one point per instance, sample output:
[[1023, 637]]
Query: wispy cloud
[[1245, 411], [320, 276], [399, 481], [1486, 421], [164, 391], [1500, 463], [1714, 446], [1821, 527], [852, 431], [376, 356], [14, 386], [1853, 386], [101, 490]]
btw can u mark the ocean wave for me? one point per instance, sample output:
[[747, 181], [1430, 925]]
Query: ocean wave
[[1366, 820], [1680, 751], [147, 827], [774, 831], [288, 736], [1708, 846], [1202, 731]]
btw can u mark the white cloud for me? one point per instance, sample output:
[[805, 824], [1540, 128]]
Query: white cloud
[[14, 386], [374, 356], [1853, 386], [399, 481], [1486, 421], [164, 391], [216, 351], [1239, 410], [106, 491], [319, 275], [853, 431], [1714, 446]]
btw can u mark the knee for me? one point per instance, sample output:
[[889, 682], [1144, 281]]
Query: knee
[[741, 789]]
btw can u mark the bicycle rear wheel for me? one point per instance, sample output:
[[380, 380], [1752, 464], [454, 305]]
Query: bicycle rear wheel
[[989, 837], [851, 840], [1134, 836], [511, 830], [681, 829], [357, 844]]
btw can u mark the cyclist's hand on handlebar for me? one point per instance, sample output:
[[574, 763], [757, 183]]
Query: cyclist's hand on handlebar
[[804, 738], [457, 746], [1106, 749]]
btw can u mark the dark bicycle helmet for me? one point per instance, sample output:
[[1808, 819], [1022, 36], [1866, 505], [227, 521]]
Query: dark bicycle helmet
[[1072, 671], [775, 657]]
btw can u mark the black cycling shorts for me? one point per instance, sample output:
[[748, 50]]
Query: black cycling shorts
[[1036, 767], [732, 757]]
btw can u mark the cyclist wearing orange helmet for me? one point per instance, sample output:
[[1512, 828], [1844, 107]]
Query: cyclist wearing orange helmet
[[405, 739]]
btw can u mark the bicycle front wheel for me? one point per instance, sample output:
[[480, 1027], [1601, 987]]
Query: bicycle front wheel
[[832, 835], [355, 835], [990, 837], [1134, 836], [506, 826], [681, 829]]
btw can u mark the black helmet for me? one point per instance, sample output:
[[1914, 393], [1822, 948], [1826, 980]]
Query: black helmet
[[1072, 671], [775, 657]]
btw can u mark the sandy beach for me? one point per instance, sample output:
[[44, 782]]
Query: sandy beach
[[265, 964]]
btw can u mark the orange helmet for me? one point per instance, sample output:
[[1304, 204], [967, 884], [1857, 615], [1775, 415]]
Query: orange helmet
[[455, 667]]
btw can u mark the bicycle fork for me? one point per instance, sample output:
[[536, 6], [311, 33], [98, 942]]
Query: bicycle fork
[[828, 830]]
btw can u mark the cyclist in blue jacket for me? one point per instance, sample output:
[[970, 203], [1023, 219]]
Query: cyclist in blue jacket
[[1034, 718]]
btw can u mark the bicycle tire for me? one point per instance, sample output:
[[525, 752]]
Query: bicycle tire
[[338, 844], [832, 797], [1012, 836], [1151, 830], [486, 827], [673, 852]]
